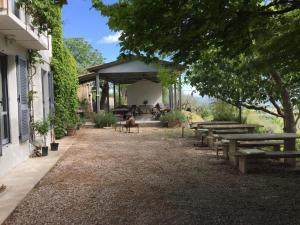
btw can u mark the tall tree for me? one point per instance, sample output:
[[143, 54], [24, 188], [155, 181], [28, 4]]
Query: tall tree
[[84, 53], [262, 36], [87, 56]]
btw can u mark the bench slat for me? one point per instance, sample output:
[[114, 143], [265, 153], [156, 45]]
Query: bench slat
[[259, 143], [250, 151]]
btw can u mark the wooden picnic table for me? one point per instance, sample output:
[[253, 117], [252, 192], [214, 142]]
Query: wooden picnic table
[[211, 128], [196, 125], [235, 138]]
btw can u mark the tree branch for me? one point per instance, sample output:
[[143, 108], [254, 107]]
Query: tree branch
[[277, 107], [260, 108], [290, 6], [281, 11], [281, 2]]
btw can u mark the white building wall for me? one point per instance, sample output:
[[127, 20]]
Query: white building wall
[[38, 97], [16, 152], [143, 90]]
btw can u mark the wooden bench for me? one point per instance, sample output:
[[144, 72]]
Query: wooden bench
[[118, 125], [224, 144], [245, 154], [231, 131], [248, 144], [213, 140], [128, 126]]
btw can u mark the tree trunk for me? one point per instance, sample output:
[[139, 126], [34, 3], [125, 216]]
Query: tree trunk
[[104, 95], [288, 109]]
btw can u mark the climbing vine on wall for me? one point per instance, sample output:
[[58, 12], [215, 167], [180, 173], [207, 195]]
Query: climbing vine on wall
[[64, 69], [46, 15], [34, 58], [42, 12]]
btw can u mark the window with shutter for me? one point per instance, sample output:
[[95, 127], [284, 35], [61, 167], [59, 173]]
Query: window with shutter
[[23, 99]]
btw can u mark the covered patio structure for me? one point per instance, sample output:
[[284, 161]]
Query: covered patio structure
[[144, 84]]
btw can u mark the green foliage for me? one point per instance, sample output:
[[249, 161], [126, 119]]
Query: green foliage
[[204, 111], [84, 53], [222, 111], [167, 76], [64, 70], [239, 51], [174, 116], [43, 12], [184, 29], [270, 123], [42, 128], [104, 119]]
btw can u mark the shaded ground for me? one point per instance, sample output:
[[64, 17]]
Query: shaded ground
[[152, 178]]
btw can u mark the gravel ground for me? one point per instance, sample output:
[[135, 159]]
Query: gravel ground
[[152, 178]]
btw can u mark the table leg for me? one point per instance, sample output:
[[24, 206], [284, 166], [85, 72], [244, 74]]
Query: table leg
[[291, 162], [232, 151], [210, 139]]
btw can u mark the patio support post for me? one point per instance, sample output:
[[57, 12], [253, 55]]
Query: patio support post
[[107, 101], [97, 93], [119, 89], [115, 98], [180, 87], [171, 97], [175, 96]]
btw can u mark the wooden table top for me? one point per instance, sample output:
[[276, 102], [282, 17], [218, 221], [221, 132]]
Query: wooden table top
[[214, 123], [255, 136], [229, 126]]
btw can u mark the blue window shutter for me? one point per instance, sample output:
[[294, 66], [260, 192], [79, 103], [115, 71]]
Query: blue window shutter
[[22, 78]]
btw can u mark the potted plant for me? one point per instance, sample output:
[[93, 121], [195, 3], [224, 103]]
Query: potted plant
[[42, 128], [173, 119], [53, 144], [103, 120], [71, 126]]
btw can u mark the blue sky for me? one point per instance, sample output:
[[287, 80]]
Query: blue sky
[[81, 20]]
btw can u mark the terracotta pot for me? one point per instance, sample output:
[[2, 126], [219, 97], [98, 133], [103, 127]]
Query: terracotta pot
[[71, 131]]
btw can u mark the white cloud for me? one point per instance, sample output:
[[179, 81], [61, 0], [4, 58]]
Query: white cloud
[[110, 39]]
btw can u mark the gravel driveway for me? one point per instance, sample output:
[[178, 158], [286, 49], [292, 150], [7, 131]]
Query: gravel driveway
[[151, 178]]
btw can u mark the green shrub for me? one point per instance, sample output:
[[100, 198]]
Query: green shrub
[[222, 111], [174, 116], [204, 111], [104, 119]]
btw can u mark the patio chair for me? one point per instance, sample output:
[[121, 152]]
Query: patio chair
[[119, 118], [131, 123]]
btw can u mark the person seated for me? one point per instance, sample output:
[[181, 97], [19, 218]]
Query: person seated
[[156, 111]]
